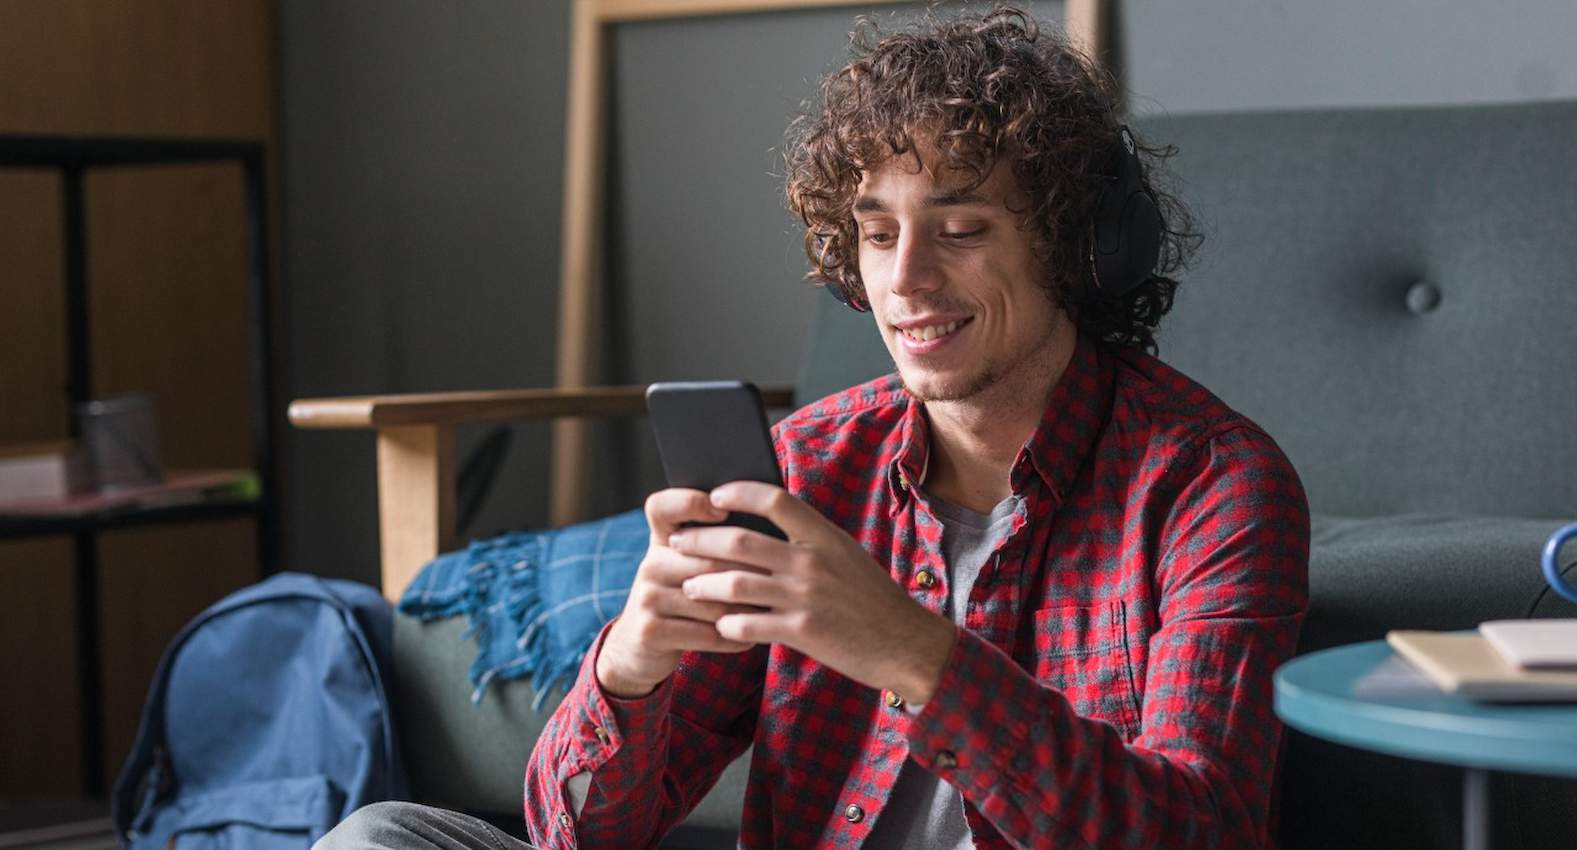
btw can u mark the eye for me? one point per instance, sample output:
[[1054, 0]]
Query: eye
[[959, 235], [879, 237]]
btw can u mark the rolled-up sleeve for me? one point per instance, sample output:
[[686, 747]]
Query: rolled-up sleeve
[[643, 763]]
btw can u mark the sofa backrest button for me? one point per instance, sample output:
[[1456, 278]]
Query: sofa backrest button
[[1422, 297]]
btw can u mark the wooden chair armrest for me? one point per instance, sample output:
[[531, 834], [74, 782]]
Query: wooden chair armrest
[[416, 453], [458, 408]]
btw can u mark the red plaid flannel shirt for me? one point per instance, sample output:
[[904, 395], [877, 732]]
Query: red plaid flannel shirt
[[1113, 684]]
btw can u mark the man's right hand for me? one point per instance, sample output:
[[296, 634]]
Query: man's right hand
[[659, 623]]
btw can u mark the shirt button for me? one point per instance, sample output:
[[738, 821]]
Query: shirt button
[[894, 700], [903, 481], [564, 820], [602, 734], [945, 760], [925, 579], [854, 814]]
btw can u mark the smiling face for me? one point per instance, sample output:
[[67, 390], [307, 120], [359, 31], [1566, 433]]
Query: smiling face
[[953, 281]]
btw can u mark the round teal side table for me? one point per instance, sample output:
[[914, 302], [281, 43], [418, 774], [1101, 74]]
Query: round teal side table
[[1365, 696]]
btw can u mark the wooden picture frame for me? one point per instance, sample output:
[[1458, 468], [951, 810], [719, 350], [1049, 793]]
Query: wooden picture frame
[[584, 187]]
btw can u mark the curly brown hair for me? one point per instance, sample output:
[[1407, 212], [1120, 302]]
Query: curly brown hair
[[983, 87]]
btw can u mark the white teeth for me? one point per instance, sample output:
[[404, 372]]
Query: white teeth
[[930, 332]]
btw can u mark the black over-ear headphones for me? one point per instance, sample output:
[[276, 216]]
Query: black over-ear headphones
[[1126, 239]]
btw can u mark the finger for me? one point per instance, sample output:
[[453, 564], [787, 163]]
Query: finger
[[676, 635], [736, 587], [672, 602], [733, 544], [764, 627], [669, 568], [796, 518], [666, 509]]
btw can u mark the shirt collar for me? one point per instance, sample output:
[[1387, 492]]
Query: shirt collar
[[1074, 417], [908, 468]]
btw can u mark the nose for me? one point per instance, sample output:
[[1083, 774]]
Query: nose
[[914, 268]]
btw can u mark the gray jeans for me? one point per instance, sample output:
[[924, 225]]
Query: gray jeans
[[409, 826]]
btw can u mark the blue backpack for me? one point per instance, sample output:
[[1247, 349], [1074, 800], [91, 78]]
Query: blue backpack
[[267, 722]]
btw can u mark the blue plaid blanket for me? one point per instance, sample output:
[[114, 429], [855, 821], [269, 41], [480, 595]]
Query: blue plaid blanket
[[535, 600]]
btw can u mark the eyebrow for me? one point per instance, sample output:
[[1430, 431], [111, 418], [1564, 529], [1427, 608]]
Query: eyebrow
[[866, 203]]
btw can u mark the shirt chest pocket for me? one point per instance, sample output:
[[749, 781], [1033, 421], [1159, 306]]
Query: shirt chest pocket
[[1082, 651]]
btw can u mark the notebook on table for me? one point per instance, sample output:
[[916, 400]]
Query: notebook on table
[[1468, 665]]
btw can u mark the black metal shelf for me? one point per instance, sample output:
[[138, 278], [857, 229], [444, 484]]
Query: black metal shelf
[[88, 151], [73, 156], [18, 528]]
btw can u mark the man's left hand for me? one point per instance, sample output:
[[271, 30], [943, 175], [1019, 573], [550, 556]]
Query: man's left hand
[[824, 595]]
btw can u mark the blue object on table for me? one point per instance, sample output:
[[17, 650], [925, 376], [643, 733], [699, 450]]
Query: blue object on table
[[535, 600], [1365, 696], [1552, 566]]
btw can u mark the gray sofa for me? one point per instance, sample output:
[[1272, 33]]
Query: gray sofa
[[1391, 294]]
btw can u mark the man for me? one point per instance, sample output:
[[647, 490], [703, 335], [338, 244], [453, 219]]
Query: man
[[1035, 583]]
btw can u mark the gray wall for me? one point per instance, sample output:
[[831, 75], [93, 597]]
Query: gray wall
[[1212, 55], [422, 146], [423, 159]]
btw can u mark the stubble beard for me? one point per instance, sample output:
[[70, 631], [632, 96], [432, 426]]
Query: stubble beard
[[962, 390], [990, 383]]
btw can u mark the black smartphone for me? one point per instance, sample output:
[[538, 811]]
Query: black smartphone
[[712, 432]]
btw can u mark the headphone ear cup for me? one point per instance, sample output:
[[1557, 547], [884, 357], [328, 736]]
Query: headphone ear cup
[[1127, 239], [1141, 239], [1109, 218], [1136, 247]]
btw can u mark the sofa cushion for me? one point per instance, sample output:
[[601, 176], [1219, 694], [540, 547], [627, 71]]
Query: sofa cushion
[[1414, 571], [472, 757]]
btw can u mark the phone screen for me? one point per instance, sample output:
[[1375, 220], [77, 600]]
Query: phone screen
[[712, 432]]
